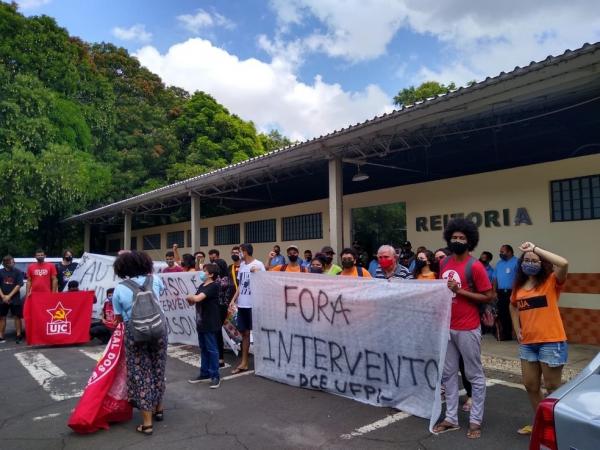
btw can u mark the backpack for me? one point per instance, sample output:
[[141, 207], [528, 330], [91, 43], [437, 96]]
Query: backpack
[[283, 268], [147, 322]]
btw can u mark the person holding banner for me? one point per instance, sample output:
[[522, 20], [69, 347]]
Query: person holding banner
[[470, 286], [146, 361]]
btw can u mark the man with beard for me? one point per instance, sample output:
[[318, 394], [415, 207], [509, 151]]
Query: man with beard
[[294, 262], [467, 279], [41, 276]]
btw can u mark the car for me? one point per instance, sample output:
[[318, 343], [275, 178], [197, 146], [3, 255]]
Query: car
[[569, 418]]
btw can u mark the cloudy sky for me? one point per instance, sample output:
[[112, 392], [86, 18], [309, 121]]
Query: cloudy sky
[[308, 67]]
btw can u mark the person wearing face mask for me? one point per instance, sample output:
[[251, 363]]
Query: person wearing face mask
[[294, 262], [275, 258], [506, 270], [308, 256], [486, 259], [330, 267], [537, 323], [103, 329], [11, 280], [388, 265], [232, 270], [41, 276], [317, 264], [65, 269], [208, 323], [349, 267], [424, 266], [467, 279]]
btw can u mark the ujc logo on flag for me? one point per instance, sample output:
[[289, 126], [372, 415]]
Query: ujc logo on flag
[[59, 323]]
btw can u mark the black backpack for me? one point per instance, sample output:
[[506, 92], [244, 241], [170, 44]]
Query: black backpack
[[147, 322]]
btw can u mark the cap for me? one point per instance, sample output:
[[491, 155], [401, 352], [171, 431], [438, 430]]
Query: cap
[[292, 247], [327, 249]]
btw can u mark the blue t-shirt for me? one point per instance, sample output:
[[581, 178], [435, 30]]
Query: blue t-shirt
[[277, 260], [491, 272], [123, 296], [506, 272]]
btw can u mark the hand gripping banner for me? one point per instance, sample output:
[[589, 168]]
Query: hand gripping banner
[[374, 341]]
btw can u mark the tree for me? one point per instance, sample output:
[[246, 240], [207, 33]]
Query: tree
[[274, 140], [428, 89]]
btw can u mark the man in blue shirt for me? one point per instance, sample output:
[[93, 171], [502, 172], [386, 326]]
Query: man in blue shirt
[[275, 258], [506, 270], [486, 260]]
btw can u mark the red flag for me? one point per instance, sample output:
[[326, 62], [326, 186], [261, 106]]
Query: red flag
[[105, 397], [57, 318]]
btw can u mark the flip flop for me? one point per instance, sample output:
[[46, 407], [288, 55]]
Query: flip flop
[[144, 429], [527, 429], [238, 370], [159, 416], [474, 431], [444, 427]]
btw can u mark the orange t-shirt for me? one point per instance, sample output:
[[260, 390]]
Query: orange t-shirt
[[289, 268], [365, 273], [429, 276], [538, 312]]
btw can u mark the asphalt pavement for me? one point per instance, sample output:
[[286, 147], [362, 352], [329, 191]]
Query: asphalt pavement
[[42, 385]]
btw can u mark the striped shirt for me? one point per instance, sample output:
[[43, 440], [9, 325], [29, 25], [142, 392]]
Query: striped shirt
[[400, 272]]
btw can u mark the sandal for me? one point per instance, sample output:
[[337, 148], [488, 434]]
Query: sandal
[[527, 429], [159, 416], [144, 429], [474, 431], [445, 426], [238, 370]]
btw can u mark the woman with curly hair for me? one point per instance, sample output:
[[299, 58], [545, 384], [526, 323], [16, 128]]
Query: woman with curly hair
[[146, 361], [536, 320], [470, 286]]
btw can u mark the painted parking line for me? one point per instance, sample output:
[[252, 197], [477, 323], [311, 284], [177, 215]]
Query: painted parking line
[[47, 416], [93, 354], [393, 418], [237, 375], [49, 376]]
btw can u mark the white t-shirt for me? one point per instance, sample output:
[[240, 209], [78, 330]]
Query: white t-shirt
[[245, 299]]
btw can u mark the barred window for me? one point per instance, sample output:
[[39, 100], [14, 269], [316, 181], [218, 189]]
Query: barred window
[[151, 242], [306, 226], [175, 237], [227, 234], [260, 231], [203, 238], [133, 243], [114, 245], [575, 199]]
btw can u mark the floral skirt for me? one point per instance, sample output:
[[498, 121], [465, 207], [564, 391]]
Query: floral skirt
[[146, 363]]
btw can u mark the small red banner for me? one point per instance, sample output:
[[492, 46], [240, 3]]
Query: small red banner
[[58, 318]]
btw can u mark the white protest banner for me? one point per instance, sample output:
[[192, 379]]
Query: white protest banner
[[95, 273], [374, 341]]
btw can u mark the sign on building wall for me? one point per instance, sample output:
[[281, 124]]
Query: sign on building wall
[[489, 219], [374, 341]]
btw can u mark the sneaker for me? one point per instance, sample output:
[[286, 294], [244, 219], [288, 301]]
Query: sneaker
[[18, 341], [215, 383], [199, 379]]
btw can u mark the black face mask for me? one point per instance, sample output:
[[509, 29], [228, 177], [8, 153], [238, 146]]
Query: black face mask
[[329, 259], [484, 262], [68, 258], [347, 263], [458, 248], [235, 258], [40, 260], [293, 258], [419, 264], [316, 269]]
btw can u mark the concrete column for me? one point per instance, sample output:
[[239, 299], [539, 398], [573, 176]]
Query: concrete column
[[195, 222], [127, 231], [336, 207], [87, 237]]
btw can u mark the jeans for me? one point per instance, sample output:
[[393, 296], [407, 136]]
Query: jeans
[[209, 355]]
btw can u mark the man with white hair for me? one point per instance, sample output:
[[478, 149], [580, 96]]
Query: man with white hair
[[387, 264]]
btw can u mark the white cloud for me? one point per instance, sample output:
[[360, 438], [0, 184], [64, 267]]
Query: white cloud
[[479, 38], [194, 23], [135, 33], [267, 93], [31, 4]]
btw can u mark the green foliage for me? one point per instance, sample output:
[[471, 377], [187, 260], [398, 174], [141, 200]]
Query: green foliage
[[85, 124], [428, 89]]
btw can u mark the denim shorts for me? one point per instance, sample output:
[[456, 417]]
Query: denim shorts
[[552, 353]]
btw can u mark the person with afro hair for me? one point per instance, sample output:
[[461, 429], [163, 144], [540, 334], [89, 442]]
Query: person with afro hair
[[471, 287]]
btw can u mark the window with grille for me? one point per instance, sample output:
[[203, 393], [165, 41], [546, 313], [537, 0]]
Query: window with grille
[[151, 242], [306, 226], [227, 234], [203, 238], [575, 199], [133, 243], [114, 245], [260, 231], [175, 237]]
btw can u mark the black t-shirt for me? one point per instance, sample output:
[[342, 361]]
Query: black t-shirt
[[8, 280], [64, 273], [208, 309]]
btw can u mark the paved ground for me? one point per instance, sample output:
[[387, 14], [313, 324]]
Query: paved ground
[[246, 412]]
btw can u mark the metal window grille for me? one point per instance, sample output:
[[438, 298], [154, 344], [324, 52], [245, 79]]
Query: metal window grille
[[151, 242], [575, 199], [227, 234], [175, 237], [133, 243], [203, 238], [114, 245], [306, 226], [260, 231]]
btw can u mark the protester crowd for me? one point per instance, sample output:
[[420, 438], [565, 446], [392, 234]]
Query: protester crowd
[[519, 295]]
